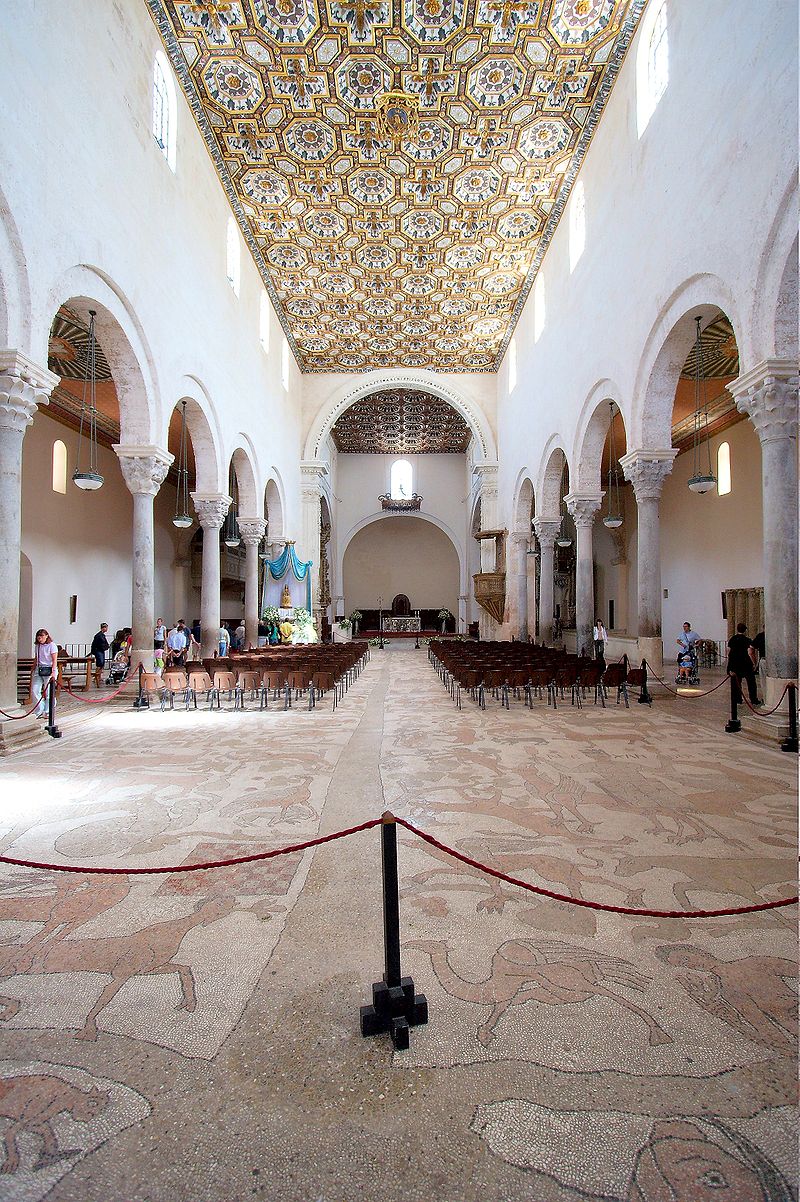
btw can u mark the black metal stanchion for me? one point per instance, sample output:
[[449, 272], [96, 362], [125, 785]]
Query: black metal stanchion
[[790, 743], [140, 703], [733, 725], [645, 697], [51, 727], [395, 1006]]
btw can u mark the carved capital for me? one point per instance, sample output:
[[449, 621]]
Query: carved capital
[[211, 509], [144, 469], [546, 532], [768, 395], [647, 471], [24, 386], [252, 530], [582, 507]]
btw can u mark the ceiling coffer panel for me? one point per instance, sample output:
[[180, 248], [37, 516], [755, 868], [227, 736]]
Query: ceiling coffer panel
[[356, 235], [401, 421]]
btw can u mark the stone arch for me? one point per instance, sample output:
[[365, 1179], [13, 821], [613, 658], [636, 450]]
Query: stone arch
[[380, 516], [664, 354], [275, 507], [244, 464], [125, 346], [775, 314], [206, 444], [15, 293], [548, 488], [419, 381], [590, 436], [523, 503]]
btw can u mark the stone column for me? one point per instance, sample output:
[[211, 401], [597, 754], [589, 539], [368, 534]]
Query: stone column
[[211, 509], [487, 475], [23, 387], [251, 531], [462, 613], [547, 533], [144, 470], [530, 569], [311, 473], [516, 615], [768, 394], [582, 509], [647, 471]]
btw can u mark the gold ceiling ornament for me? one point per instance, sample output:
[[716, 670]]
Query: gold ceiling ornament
[[397, 117]]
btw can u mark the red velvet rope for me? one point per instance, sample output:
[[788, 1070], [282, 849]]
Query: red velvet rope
[[578, 901], [35, 706], [751, 707], [687, 696]]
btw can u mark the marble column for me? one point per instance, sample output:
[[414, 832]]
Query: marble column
[[211, 509], [311, 475], [144, 470], [516, 615], [530, 569], [487, 476], [768, 394], [647, 471], [251, 531], [23, 387], [582, 509], [547, 533]]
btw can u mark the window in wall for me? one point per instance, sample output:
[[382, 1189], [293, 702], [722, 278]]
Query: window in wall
[[652, 67], [233, 259], [512, 365], [723, 469], [285, 364], [577, 224], [538, 306], [402, 480], [59, 467], [263, 321], [164, 109]]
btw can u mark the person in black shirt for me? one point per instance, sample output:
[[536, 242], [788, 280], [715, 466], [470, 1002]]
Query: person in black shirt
[[760, 645], [98, 650], [740, 662]]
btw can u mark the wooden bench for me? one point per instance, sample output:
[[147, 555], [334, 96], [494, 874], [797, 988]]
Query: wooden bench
[[24, 679], [75, 670]]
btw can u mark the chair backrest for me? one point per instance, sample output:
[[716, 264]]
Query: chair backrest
[[225, 680], [200, 680], [614, 676], [298, 678], [174, 679], [152, 682], [249, 679]]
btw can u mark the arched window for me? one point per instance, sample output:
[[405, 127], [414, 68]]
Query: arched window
[[59, 467], [164, 108], [723, 469], [577, 224], [512, 365], [402, 480], [263, 321], [652, 65], [538, 306], [233, 259], [285, 364]]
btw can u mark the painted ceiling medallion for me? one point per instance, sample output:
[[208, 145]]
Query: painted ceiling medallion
[[405, 160]]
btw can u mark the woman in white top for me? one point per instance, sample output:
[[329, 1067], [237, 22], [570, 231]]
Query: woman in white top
[[45, 670], [600, 636]]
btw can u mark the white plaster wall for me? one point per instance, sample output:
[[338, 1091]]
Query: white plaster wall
[[401, 555]]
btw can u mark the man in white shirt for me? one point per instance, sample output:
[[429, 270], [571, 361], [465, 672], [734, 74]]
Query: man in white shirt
[[176, 646]]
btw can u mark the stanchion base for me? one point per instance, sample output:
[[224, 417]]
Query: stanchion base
[[789, 745], [645, 699], [53, 732], [732, 728], [395, 1008]]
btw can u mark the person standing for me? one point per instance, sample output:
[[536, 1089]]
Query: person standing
[[224, 640], [159, 635], [687, 640], [45, 670], [600, 636], [192, 645], [239, 637], [760, 648], [176, 646], [740, 663], [98, 651]]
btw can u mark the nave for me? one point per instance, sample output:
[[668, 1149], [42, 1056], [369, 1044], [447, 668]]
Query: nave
[[196, 1036]]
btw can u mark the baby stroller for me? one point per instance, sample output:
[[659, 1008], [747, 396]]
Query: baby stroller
[[117, 669], [688, 667]]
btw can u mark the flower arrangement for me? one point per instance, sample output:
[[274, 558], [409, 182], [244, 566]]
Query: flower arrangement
[[443, 615], [345, 623], [271, 616], [301, 616], [355, 618]]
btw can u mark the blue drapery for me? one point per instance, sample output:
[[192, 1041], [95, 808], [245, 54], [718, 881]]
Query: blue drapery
[[278, 568]]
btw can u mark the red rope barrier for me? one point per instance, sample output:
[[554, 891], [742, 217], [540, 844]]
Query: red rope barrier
[[686, 696], [261, 855], [578, 901], [751, 707], [35, 706]]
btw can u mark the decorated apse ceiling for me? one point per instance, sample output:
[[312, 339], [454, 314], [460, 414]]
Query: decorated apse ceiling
[[417, 253], [400, 421]]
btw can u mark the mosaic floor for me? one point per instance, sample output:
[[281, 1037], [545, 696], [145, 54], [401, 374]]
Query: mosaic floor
[[194, 1038]]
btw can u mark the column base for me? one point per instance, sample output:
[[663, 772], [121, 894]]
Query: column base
[[17, 735], [653, 651], [775, 686]]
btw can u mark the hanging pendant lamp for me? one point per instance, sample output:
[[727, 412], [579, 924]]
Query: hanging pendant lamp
[[90, 480], [231, 536], [702, 479], [613, 518], [182, 517]]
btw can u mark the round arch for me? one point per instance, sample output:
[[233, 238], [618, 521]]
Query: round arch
[[590, 436], [775, 312], [380, 516], [15, 293], [244, 464], [419, 381], [274, 506], [548, 487], [523, 503], [125, 346]]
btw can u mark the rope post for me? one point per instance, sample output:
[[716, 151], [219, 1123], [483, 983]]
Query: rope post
[[645, 697], [51, 727], [790, 743], [139, 703], [733, 725], [395, 1006]]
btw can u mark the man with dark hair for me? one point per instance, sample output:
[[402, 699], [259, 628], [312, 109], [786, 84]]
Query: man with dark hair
[[740, 663], [98, 651]]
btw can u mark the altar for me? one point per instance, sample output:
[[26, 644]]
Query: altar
[[401, 625]]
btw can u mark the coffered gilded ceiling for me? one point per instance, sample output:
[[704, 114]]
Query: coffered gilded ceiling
[[401, 421], [415, 254]]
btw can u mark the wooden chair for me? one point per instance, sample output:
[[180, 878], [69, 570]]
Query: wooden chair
[[225, 682], [153, 686], [248, 681], [201, 682], [322, 682], [591, 677], [175, 682], [615, 678]]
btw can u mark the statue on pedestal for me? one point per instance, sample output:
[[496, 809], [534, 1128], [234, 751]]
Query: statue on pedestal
[[286, 598]]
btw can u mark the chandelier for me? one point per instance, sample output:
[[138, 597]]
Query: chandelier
[[91, 478], [702, 479], [613, 518], [397, 117], [183, 518]]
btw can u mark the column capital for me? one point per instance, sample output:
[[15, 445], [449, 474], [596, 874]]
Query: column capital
[[487, 477], [582, 507], [144, 469], [252, 530], [546, 532], [211, 509], [767, 394], [647, 470], [312, 470], [24, 386]]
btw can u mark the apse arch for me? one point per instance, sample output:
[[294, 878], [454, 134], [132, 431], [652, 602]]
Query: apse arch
[[590, 435], [380, 516], [382, 381]]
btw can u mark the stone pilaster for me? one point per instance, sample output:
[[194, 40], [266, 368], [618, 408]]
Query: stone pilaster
[[211, 509], [547, 533], [768, 394], [144, 470], [646, 471], [582, 509], [516, 615], [311, 475], [251, 532], [487, 478], [24, 386]]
